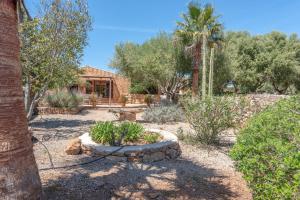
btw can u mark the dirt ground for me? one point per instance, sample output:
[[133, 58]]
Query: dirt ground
[[199, 173]]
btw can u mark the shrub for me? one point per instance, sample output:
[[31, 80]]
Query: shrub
[[151, 137], [209, 117], [268, 151], [103, 132], [132, 131], [148, 100], [163, 114], [124, 99], [112, 134], [63, 99]]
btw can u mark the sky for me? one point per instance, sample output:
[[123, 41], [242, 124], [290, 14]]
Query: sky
[[116, 21]]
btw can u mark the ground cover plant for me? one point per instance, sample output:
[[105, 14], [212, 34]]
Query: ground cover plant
[[125, 133], [62, 99], [268, 151], [163, 114]]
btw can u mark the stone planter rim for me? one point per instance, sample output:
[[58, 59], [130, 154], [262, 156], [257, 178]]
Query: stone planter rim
[[169, 139]]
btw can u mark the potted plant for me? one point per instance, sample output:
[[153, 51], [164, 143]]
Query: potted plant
[[93, 100], [124, 100], [148, 100]]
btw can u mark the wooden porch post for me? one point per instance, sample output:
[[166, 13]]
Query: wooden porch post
[[109, 92], [93, 86]]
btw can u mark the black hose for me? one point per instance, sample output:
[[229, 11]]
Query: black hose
[[35, 140]]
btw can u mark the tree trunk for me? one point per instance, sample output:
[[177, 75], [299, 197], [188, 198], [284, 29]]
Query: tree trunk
[[204, 66], [211, 72], [197, 58], [19, 178]]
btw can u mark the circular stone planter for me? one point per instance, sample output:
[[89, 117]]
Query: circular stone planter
[[167, 148]]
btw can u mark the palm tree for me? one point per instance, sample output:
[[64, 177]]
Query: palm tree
[[19, 178], [198, 24]]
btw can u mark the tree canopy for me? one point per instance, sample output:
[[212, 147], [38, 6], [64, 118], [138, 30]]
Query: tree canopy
[[156, 63], [266, 63], [52, 46]]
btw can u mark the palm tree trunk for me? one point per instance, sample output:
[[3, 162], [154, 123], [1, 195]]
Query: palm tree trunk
[[19, 178], [211, 72], [204, 66], [197, 58]]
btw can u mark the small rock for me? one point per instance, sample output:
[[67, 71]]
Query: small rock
[[74, 147]]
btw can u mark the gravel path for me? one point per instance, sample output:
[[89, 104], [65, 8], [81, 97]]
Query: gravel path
[[200, 173]]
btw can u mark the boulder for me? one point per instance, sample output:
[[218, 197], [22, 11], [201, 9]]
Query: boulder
[[154, 157], [130, 116], [172, 153], [74, 147]]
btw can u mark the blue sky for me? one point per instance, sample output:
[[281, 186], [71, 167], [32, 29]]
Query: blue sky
[[117, 21]]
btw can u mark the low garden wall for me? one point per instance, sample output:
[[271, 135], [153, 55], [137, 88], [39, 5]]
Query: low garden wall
[[257, 102], [50, 110], [168, 148], [140, 98]]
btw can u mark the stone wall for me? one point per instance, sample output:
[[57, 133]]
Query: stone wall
[[255, 103], [50, 110], [168, 148]]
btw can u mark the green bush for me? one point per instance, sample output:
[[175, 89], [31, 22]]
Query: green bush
[[151, 137], [163, 114], [63, 99], [132, 131], [103, 132], [112, 134], [148, 99], [268, 151], [209, 117]]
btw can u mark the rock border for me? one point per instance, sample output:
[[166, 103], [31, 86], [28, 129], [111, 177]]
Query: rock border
[[52, 110], [168, 148]]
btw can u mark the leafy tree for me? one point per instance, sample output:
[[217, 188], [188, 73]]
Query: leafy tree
[[258, 62], [52, 46], [157, 62], [199, 23]]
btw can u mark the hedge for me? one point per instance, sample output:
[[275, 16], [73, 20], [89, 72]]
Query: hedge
[[267, 151]]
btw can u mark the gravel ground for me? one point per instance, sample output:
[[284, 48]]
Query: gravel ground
[[200, 172]]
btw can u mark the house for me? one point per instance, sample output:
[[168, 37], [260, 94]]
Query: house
[[108, 87]]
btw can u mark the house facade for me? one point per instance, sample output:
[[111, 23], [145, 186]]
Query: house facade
[[106, 86]]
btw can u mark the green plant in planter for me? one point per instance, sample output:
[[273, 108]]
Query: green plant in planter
[[148, 100], [132, 131], [124, 100], [114, 135], [151, 137], [93, 100], [104, 132]]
